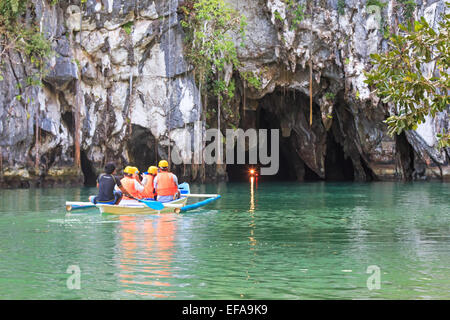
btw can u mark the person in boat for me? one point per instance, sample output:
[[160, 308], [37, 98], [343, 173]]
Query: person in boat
[[105, 184], [166, 183], [149, 188], [132, 183]]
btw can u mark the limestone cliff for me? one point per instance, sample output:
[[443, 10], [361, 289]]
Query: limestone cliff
[[121, 65]]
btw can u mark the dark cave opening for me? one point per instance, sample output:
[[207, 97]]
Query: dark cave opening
[[142, 148], [405, 157], [264, 119], [338, 167], [67, 118], [265, 113], [291, 166], [90, 177]]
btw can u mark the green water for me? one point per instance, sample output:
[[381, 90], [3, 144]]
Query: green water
[[272, 241]]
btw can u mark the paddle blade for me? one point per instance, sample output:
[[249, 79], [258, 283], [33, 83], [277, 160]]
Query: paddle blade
[[155, 205]]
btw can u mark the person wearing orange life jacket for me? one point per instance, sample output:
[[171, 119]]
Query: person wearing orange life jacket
[[147, 182], [166, 183], [131, 183]]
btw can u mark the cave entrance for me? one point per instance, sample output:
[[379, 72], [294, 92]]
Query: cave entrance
[[90, 178], [404, 157], [264, 119], [264, 114], [338, 167], [142, 148], [260, 115]]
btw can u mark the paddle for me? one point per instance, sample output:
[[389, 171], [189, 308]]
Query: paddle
[[198, 195], [155, 205]]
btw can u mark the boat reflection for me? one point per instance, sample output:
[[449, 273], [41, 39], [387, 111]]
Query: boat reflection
[[145, 254]]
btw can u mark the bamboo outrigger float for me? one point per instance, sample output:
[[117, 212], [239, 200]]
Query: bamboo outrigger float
[[135, 207]]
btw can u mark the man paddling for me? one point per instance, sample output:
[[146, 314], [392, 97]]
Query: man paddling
[[166, 183], [105, 184]]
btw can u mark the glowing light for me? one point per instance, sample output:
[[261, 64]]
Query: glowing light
[[252, 171]]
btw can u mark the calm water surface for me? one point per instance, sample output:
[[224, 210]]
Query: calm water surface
[[260, 241]]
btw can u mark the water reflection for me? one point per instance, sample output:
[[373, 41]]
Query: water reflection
[[252, 194], [146, 251], [265, 241], [252, 214]]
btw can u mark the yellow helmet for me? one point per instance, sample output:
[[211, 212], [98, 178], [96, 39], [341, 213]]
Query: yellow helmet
[[128, 170], [163, 164], [152, 170]]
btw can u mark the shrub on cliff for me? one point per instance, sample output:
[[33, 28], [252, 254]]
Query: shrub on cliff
[[403, 75], [19, 32], [209, 46]]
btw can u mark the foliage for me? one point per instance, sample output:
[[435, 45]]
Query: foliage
[[384, 28], [398, 75], [127, 27], [329, 95], [295, 12], [209, 45], [278, 15], [408, 7], [443, 139], [10, 10], [341, 7], [377, 3], [23, 36], [252, 80]]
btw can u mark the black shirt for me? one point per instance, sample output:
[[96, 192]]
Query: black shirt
[[106, 184]]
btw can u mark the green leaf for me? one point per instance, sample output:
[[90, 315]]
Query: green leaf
[[14, 5]]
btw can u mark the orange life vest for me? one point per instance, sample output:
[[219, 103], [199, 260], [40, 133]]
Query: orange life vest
[[128, 184], [149, 189], [166, 186]]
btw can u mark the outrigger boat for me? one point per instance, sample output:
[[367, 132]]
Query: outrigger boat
[[146, 207]]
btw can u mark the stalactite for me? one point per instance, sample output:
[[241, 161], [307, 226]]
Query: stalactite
[[36, 164], [130, 103], [244, 101], [78, 103], [204, 139], [77, 127], [219, 153], [156, 150], [1, 163], [184, 163], [170, 94], [195, 164]]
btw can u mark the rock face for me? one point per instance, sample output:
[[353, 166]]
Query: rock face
[[346, 114], [120, 65]]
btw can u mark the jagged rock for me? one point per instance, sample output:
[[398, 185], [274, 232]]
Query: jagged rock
[[61, 72], [138, 97]]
